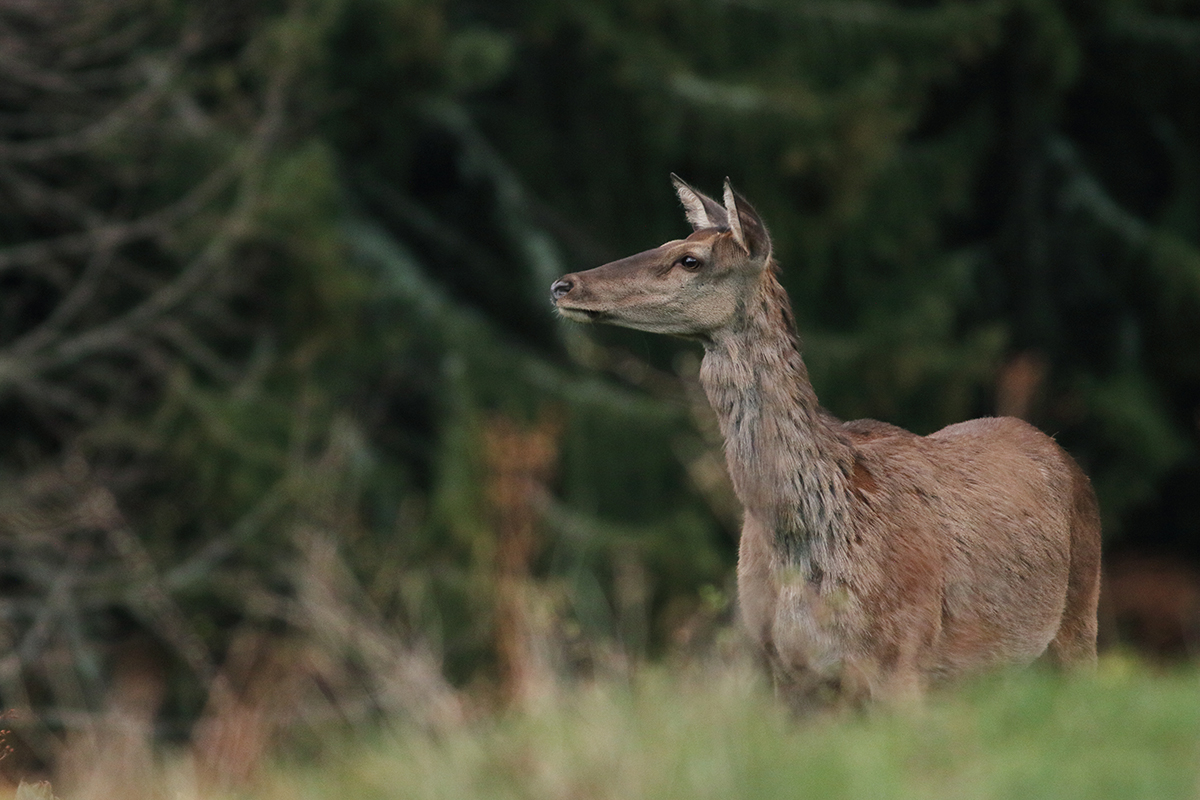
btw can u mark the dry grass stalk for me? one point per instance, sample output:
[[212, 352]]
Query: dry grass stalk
[[1019, 385], [520, 461], [1152, 603], [251, 701], [112, 758]]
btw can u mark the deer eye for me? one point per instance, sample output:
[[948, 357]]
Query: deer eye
[[690, 263]]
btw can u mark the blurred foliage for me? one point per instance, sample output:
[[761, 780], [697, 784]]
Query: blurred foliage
[[267, 270]]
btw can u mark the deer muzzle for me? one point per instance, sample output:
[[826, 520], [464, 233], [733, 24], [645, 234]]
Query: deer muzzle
[[565, 295]]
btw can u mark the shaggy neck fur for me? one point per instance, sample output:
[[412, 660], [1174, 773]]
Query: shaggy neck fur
[[789, 460]]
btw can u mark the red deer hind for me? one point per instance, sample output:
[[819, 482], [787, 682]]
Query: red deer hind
[[873, 562]]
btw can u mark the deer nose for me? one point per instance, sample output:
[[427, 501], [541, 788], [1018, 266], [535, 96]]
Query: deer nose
[[560, 288]]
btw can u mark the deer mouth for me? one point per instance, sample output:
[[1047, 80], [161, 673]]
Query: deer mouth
[[580, 314]]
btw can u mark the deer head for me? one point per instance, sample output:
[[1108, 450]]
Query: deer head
[[686, 287]]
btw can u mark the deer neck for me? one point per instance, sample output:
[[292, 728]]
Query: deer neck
[[788, 459]]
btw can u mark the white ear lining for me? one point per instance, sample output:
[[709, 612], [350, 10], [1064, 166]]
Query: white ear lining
[[735, 220], [693, 206]]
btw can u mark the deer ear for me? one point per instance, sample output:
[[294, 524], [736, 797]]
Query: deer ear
[[746, 226], [702, 211]]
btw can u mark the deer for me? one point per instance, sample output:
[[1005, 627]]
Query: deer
[[873, 563]]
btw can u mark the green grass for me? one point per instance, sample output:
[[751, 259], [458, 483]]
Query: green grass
[[1126, 732]]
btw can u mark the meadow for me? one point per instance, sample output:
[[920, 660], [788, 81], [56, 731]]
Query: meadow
[[1127, 731]]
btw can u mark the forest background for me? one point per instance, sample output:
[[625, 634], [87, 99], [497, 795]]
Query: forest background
[[286, 411]]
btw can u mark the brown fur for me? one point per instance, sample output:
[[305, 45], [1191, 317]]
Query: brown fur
[[873, 561]]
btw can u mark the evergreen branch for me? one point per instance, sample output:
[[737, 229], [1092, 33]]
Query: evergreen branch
[[1157, 30], [511, 196], [949, 19], [746, 98], [465, 332], [1083, 191], [1176, 259]]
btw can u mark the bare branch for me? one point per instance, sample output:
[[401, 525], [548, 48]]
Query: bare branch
[[80, 295], [158, 77], [154, 225]]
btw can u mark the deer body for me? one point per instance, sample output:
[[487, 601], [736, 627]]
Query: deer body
[[873, 561]]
